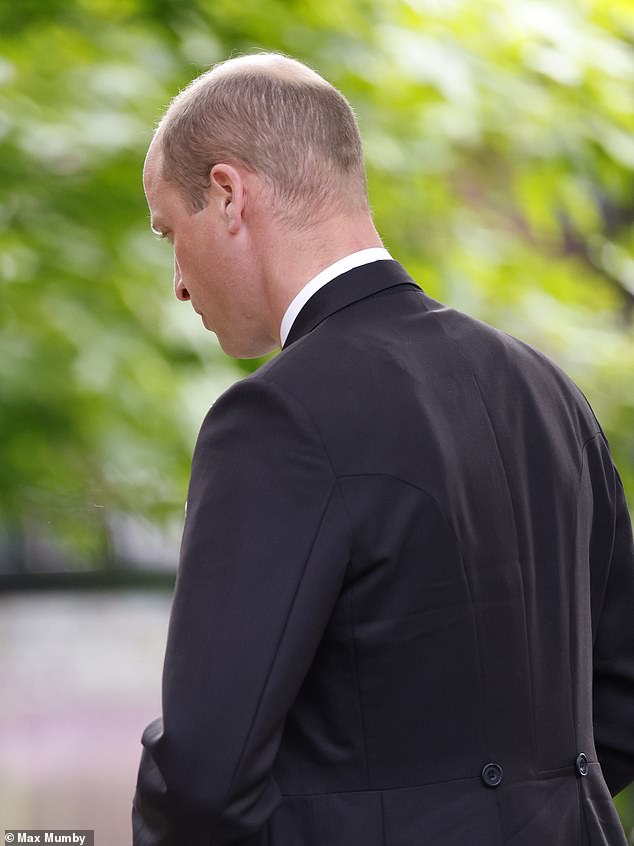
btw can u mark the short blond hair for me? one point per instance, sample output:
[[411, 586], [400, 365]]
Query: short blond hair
[[281, 120]]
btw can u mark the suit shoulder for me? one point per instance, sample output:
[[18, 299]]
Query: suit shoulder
[[293, 366], [263, 399], [489, 349]]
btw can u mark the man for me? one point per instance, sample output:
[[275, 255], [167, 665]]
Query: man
[[403, 612]]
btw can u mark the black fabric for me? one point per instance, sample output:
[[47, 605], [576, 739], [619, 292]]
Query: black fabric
[[404, 604]]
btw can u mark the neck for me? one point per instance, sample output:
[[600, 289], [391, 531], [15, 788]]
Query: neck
[[293, 258]]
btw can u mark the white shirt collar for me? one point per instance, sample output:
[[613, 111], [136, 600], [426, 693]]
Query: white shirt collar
[[341, 266]]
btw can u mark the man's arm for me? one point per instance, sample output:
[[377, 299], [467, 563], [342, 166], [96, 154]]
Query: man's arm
[[613, 620], [264, 552]]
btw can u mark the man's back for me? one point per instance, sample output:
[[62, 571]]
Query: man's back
[[403, 610], [450, 697], [406, 565]]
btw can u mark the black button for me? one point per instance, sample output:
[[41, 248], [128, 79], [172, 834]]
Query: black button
[[582, 764], [491, 774]]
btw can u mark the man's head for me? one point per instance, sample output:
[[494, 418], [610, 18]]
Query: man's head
[[257, 155]]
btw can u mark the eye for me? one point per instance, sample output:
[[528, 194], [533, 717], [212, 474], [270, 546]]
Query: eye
[[162, 236]]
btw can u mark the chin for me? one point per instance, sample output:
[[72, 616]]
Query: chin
[[248, 349]]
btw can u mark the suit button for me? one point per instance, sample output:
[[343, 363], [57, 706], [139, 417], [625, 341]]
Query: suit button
[[582, 764], [491, 774]]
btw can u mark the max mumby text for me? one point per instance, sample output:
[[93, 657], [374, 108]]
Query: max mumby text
[[45, 837]]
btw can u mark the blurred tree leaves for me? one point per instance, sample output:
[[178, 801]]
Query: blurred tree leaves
[[500, 157]]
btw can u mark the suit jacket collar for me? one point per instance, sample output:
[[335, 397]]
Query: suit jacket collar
[[345, 289]]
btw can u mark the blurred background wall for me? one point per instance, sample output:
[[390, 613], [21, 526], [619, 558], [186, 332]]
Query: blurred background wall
[[500, 154]]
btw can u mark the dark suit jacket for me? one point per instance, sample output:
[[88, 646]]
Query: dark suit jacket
[[404, 610]]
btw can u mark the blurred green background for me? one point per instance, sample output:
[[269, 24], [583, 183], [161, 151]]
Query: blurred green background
[[500, 154]]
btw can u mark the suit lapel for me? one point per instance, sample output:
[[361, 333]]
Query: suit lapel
[[345, 289]]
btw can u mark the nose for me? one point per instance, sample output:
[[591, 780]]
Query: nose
[[180, 290]]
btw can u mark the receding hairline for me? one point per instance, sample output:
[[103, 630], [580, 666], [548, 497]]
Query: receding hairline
[[271, 64], [260, 76]]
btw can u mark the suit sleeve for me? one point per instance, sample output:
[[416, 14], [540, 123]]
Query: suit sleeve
[[613, 601], [263, 556]]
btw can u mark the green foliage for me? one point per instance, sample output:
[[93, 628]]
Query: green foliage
[[500, 155]]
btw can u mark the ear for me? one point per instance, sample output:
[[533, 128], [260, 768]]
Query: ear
[[227, 191]]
